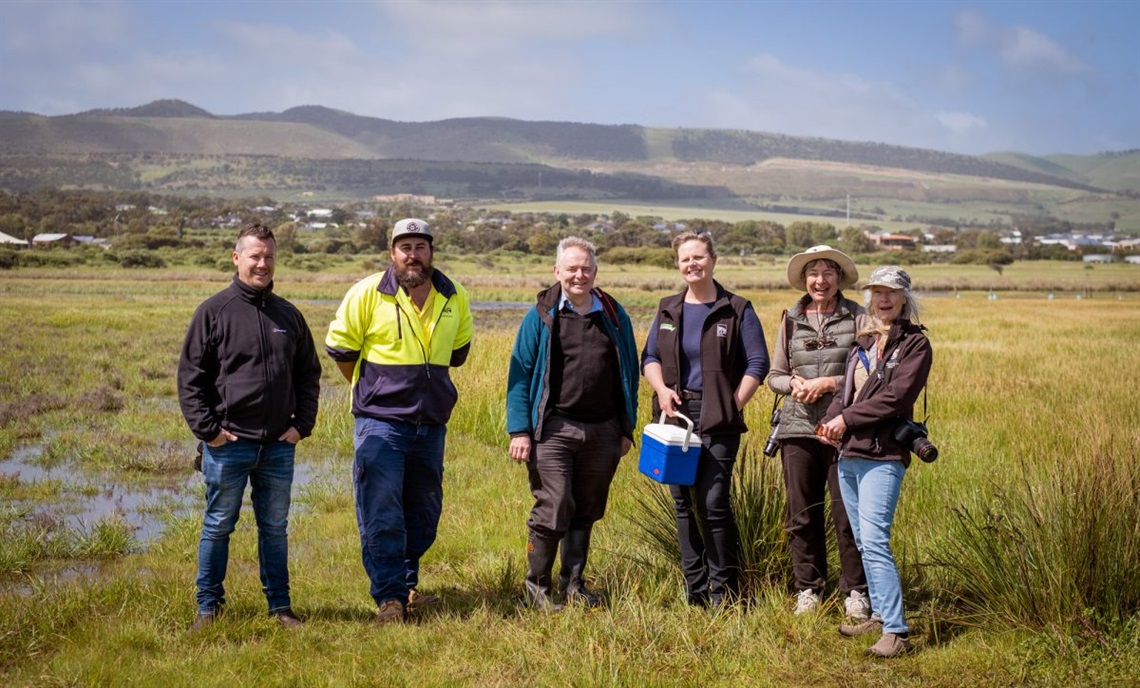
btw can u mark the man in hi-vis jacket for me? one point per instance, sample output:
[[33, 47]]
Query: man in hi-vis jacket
[[395, 337]]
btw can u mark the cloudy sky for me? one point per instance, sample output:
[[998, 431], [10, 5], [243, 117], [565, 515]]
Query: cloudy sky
[[1039, 77]]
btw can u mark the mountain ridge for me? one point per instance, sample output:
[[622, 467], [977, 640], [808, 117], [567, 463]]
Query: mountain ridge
[[491, 140]]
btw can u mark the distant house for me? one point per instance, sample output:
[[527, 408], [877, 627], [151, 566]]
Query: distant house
[[1076, 240], [9, 241], [88, 240], [1010, 237], [895, 242], [939, 248], [50, 239], [407, 198]]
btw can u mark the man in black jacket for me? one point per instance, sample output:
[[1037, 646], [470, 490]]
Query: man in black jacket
[[248, 384]]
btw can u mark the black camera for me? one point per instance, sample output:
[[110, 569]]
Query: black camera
[[913, 436], [772, 445]]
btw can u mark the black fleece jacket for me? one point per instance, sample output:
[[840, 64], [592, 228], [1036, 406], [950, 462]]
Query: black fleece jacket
[[248, 365]]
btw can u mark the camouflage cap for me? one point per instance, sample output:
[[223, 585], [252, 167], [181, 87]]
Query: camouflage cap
[[889, 276]]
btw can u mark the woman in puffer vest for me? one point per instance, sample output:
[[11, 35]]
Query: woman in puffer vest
[[807, 367]]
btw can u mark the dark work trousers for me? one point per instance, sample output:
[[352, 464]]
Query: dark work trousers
[[710, 547], [570, 471], [810, 472]]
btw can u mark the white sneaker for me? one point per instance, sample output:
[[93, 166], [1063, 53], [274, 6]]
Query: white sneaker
[[806, 601], [857, 606]]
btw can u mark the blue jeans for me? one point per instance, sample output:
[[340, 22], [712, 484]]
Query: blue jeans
[[268, 469], [871, 493], [398, 479]]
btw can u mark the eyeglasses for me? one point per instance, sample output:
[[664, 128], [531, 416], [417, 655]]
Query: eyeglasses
[[818, 343]]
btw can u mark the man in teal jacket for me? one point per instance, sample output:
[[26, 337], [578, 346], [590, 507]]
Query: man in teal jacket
[[571, 408]]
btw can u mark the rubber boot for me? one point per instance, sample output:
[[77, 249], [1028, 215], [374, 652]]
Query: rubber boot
[[575, 549], [540, 553]]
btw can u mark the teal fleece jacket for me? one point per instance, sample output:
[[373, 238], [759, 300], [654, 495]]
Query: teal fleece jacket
[[528, 381]]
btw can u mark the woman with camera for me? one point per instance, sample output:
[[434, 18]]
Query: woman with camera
[[871, 420], [705, 357], [807, 368]]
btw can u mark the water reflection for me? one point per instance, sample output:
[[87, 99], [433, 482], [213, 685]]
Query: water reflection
[[86, 499]]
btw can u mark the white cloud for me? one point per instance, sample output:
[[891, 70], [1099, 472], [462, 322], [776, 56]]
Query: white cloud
[[499, 25], [972, 27], [953, 79], [778, 97], [1024, 48], [1021, 49], [54, 30], [961, 122]]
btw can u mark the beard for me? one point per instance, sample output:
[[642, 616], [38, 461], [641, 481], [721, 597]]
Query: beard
[[412, 276]]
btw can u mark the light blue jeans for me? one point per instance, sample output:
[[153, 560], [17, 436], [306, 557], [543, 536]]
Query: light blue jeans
[[268, 469], [871, 493]]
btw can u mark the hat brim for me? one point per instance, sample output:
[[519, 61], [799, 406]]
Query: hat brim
[[800, 260], [410, 235]]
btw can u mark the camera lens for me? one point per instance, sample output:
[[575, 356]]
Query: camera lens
[[925, 450]]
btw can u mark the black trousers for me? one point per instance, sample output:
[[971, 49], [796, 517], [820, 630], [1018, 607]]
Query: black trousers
[[706, 526], [810, 474], [570, 471]]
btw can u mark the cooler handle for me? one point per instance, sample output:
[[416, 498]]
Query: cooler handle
[[688, 435]]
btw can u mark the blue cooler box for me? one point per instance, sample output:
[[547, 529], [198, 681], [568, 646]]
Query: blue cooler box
[[669, 453]]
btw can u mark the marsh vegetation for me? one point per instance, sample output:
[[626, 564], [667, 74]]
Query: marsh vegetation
[[1017, 548]]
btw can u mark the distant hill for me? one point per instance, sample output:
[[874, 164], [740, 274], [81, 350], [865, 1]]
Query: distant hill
[[1117, 171], [177, 147], [174, 126], [158, 108]]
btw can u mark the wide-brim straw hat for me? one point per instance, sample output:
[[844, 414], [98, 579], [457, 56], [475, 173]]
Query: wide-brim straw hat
[[822, 252]]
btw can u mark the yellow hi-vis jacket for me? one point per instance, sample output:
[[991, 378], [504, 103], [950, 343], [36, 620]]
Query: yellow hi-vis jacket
[[400, 373]]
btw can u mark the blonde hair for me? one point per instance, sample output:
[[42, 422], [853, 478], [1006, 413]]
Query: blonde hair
[[703, 237]]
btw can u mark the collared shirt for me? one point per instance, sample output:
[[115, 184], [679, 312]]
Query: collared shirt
[[565, 304]]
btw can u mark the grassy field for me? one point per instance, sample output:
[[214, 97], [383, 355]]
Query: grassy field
[[1017, 548]]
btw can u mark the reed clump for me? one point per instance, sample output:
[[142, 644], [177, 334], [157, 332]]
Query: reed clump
[[1058, 548]]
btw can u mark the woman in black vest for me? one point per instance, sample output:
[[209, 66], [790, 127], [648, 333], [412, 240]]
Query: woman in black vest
[[808, 367], [705, 357]]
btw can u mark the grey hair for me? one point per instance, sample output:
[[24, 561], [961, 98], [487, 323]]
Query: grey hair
[[910, 311], [577, 242]]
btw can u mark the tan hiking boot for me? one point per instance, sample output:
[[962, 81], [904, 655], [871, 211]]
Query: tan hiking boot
[[861, 628], [890, 645]]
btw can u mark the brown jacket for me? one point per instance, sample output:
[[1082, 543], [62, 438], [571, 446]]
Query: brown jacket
[[887, 397]]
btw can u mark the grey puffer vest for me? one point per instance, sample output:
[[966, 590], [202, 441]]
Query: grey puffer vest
[[797, 419]]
